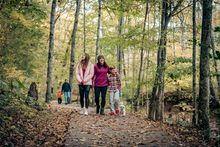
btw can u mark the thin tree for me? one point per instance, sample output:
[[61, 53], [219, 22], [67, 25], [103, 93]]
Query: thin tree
[[73, 44], [195, 114], [120, 28], [142, 55], [204, 90], [84, 26], [98, 28], [50, 52]]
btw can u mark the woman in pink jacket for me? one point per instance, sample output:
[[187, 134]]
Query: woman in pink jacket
[[84, 75]]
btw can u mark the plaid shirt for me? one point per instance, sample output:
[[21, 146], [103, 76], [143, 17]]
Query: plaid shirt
[[114, 82]]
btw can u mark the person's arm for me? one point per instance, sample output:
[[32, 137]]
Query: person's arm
[[118, 82], [69, 87], [94, 76], [78, 77], [90, 75]]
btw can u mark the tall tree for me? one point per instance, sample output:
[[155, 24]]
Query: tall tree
[[195, 114], [204, 90], [142, 54], [84, 26], [51, 51], [120, 27], [157, 99], [98, 28], [73, 44]]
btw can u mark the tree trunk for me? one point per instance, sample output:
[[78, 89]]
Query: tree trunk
[[123, 60], [84, 26], [142, 55], [156, 108], [204, 93], [183, 35], [73, 44], [98, 29], [156, 102], [174, 46], [119, 49], [148, 64], [195, 113], [215, 64], [50, 52]]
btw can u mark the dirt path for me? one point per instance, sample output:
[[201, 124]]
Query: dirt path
[[97, 130], [130, 130]]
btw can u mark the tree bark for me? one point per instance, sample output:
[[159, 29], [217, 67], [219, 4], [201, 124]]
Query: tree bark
[[73, 44], [174, 46], [98, 29], [156, 106], [204, 92], [142, 55], [84, 26], [195, 113], [156, 102], [50, 52], [119, 49]]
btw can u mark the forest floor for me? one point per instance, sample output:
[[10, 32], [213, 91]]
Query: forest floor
[[129, 130], [64, 126]]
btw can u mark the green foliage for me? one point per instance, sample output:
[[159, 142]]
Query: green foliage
[[182, 60], [176, 72], [21, 35]]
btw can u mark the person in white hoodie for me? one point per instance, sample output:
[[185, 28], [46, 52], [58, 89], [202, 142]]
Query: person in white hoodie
[[84, 75]]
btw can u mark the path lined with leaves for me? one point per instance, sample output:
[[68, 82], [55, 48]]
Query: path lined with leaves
[[131, 130], [96, 130]]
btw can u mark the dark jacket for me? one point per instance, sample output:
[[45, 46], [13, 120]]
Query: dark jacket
[[66, 87]]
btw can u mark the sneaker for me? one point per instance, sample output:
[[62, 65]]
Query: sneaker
[[86, 112], [81, 111]]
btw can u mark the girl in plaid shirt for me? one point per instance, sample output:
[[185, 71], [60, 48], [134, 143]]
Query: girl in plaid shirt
[[114, 90]]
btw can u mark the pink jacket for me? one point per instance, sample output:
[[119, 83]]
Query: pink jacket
[[88, 74]]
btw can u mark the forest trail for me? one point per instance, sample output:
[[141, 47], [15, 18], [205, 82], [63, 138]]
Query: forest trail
[[129, 130], [97, 130]]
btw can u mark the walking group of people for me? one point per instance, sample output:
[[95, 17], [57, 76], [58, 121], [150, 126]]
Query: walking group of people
[[101, 77]]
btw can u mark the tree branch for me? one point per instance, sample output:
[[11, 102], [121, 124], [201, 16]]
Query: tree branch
[[175, 8], [189, 5]]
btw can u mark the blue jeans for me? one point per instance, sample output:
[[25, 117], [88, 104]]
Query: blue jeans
[[66, 97], [114, 100]]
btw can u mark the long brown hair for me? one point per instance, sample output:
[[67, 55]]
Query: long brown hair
[[84, 63], [105, 65]]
